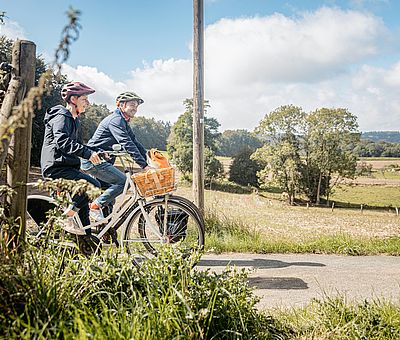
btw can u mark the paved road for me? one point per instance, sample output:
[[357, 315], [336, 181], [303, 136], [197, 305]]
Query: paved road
[[291, 280]]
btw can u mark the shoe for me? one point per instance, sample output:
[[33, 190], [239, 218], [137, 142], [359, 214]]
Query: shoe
[[95, 212], [70, 226]]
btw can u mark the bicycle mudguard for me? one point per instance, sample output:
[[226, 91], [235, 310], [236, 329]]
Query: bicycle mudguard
[[38, 206]]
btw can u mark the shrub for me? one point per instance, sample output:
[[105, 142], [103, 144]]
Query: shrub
[[243, 170]]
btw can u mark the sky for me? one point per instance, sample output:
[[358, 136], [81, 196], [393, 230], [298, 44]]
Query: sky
[[258, 54]]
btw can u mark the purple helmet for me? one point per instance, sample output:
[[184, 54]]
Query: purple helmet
[[75, 88]]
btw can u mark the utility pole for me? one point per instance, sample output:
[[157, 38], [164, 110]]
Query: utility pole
[[198, 104]]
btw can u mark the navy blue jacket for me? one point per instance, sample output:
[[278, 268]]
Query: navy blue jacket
[[114, 129], [61, 147]]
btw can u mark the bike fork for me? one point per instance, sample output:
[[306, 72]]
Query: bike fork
[[148, 221]]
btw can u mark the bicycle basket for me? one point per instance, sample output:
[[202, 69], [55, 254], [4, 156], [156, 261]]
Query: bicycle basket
[[177, 221], [155, 181]]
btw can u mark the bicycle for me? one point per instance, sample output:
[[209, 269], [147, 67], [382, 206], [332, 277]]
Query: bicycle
[[147, 219]]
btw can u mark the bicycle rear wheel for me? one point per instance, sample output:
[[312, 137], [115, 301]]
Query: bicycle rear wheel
[[168, 222], [38, 208], [41, 233]]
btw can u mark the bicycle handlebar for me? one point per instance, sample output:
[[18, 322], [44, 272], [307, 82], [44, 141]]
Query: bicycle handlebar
[[102, 154]]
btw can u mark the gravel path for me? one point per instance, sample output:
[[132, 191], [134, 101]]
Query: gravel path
[[292, 280]]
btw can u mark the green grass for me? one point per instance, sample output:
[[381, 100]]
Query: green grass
[[336, 318], [366, 159], [234, 236], [372, 195], [48, 296], [224, 158], [392, 175]]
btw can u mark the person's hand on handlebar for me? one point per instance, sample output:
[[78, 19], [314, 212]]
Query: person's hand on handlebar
[[95, 158], [104, 155]]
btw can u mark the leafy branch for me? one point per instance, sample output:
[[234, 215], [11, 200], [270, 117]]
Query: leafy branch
[[2, 16], [69, 34]]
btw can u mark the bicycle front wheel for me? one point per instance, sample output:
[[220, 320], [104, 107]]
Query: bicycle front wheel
[[166, 222]]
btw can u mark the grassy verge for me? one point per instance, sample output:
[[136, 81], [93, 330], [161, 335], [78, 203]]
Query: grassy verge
[[335, 318], [45, 295], [261, 223], [224, 235]]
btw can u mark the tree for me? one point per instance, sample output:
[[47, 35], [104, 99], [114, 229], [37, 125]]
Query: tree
[[307, 153], [329, 132], [151, 133], [232, 142], [53, 97], [243, 169], [212, 166], [180, 142], [90, 120], [283, 128]]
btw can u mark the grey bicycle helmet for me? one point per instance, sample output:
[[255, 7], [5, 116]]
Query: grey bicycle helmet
[[128, 96]]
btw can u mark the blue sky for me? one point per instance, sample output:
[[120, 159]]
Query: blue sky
[[259, 54]]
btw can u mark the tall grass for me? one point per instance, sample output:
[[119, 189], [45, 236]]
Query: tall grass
[[227, 234], [336, 318], [45, 295]]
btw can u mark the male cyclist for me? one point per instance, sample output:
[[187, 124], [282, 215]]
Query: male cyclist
[[62, 148], [115, 129]]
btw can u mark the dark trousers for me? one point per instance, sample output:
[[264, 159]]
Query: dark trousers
[[80, 202]]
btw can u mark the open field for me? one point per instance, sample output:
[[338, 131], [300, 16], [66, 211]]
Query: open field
[[265, 223], [277, 220], [368, 195]]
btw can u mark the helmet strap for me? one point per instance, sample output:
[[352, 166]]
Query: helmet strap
[[74, 106]]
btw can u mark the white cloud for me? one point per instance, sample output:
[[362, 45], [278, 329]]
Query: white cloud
[[253, 65], [277, 48], [164, 85], [12, 30]]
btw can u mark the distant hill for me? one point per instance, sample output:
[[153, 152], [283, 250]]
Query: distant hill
[[385, 136]]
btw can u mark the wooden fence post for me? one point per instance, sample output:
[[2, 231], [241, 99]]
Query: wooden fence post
[[19, 152]]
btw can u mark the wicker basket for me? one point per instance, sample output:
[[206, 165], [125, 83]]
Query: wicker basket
[[155, 181]]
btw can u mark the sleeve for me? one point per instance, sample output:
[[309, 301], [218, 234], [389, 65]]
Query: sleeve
[[62, 127], [120, 132]]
